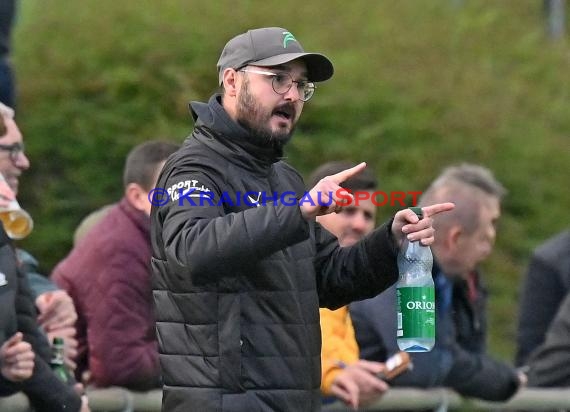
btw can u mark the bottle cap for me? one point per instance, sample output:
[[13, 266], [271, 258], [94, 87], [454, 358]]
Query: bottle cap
[[418, 211]]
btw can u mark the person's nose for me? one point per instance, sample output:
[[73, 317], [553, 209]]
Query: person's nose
[[22, 161], [486, 249], [293, 94], [359, 223], [492, 235]]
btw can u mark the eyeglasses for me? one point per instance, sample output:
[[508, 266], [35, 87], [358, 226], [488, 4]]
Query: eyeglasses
[[14, 149], [282, 83]]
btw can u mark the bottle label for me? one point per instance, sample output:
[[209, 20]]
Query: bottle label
[[416, 312]]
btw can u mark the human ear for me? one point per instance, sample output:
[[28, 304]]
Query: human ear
[[137, 196], [230, 81], [453, 236]]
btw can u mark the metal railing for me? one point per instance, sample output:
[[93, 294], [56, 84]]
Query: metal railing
[[440, 400]]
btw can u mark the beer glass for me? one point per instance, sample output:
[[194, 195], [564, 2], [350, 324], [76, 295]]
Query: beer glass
[[17, 222]]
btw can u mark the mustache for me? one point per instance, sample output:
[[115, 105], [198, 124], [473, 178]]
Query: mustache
[[287, 108]]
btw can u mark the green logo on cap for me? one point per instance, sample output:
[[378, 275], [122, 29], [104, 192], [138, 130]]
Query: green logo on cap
[[287, 37]]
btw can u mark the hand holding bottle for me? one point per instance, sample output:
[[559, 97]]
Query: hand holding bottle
[[57, 310], [407, 225], [57, 316], [416, 295]]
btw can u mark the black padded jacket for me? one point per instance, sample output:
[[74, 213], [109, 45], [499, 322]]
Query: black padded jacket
[[44, 390], [238, 276]]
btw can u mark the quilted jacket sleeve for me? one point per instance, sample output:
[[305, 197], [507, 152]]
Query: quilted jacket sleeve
[[195, 228]]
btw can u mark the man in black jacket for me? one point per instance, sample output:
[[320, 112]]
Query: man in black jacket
[[549, 364], [20, 333], [545, 286], [57, 313], [543, 334], [16, 355], [19, 329], [240, 266]]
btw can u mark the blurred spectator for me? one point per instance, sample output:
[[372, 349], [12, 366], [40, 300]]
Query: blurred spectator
[[7, 15], [546, 285], [108, 276], [465, 237], [346, 377], [89, 222], [549, 364], [21, 369], [57, 313]]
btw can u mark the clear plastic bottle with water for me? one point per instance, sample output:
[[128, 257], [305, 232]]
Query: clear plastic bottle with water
[[415, 296]]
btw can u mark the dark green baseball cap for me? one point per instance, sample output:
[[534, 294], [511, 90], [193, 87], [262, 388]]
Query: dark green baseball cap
[[271, 46]]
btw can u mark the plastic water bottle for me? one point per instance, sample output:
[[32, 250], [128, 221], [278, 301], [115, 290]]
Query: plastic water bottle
[[415, 296]]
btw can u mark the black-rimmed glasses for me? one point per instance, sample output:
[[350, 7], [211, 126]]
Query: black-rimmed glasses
[[282, 83], [15, 149]]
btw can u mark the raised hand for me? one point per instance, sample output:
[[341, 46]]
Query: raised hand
[[328, 196], [407, 224]]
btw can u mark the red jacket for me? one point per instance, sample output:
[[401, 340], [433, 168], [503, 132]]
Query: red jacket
[[108, 276]]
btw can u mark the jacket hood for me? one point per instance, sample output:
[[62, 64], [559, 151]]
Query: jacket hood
[[213, 116]]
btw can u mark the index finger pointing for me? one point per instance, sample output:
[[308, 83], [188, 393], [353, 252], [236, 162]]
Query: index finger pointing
[[432, 210], [340, 177]]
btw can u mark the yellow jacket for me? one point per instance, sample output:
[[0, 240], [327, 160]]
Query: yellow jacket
[[339, 345]]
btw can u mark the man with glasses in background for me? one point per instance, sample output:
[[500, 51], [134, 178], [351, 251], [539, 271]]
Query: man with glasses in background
[[57, 313], [14, 151], [18, 320], [239, 269]]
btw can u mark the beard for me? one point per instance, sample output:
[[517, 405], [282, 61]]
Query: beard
[[255, 119]]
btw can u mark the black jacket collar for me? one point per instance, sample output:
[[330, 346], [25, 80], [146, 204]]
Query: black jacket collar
[[213, 117]]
